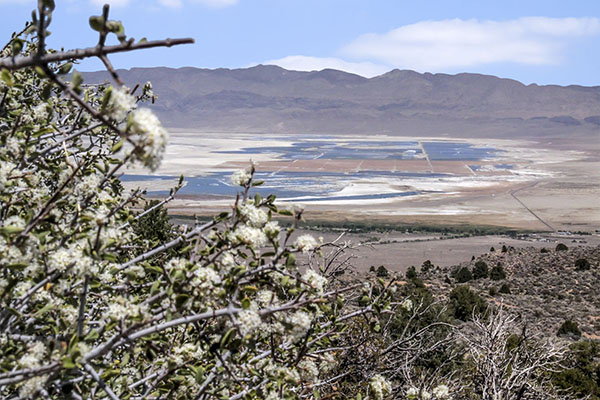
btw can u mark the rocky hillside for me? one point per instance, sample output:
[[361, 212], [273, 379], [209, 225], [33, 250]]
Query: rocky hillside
[[546, 286]]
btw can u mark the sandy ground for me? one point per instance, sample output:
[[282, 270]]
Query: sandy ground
[[549, 188], [398, 251]]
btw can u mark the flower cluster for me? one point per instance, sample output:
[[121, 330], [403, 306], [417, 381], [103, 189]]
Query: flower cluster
[[240, 177], [152, 137], [305, 243], [120, 102], [439, 392], [380, 386]]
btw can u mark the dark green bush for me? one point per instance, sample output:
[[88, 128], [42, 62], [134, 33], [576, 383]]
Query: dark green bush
[[464, 275], [582, 264], [480, 270], [427, 266], [561, 247], [464, 303], [582, 375], [382, 272], [569, 329], [411, 273], [497, 273], [504, 289]]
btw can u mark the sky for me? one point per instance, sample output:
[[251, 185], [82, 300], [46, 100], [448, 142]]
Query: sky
[[543, 42]]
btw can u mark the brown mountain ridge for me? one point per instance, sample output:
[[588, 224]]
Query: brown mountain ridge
[[272, 99]]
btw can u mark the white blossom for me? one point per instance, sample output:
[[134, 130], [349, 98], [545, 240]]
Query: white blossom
[[249, 321], [380, 386], [69, 314], [40, 112], [300, 321], [253, 237], [14, 221], [240, 177], [308, 369], [30, 388], [153, 137], [227, 260], [34, 356], [254, 216], [441, 392], [88, 185], [264, 297], [120, 103], [272, 228], [7, 169], [147, 89], [407, 304], [412, 393], [205, 278], [122, 308], [305, 243], [315, 280]]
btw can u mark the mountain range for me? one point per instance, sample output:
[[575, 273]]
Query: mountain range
[[271, 99]]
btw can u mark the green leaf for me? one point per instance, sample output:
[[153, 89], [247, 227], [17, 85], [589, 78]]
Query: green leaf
[[6, 77], [92, 335], [155, 287], [76, 81], [227, 337], [44, 310], [47, 91], [285, 212], [65, 68], [246, 303], [118, 146], [181, 299], [97, 23], [153, 268], [291, 261], [109, 257], [115, 27], [67, 362], [250, 288], [257, 183], [17, 46], [40, 71], [11, 230]]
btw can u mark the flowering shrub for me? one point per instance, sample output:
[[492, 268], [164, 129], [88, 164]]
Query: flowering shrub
[[92, 309]]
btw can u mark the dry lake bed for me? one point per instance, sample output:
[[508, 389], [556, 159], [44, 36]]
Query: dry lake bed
[[434, 181]]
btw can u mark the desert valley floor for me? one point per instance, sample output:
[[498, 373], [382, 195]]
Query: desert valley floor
[[508, 183]]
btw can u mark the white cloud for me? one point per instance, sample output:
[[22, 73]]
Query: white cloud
[[305, 63], [171, 3], [438, 45], [217, 3], [113, 3]]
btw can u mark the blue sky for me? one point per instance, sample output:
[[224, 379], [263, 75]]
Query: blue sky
[[544, 42]]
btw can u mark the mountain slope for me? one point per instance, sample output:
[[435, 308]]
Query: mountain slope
[[272, 99]]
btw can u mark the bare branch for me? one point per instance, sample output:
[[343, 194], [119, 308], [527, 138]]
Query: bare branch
[[78, 54]]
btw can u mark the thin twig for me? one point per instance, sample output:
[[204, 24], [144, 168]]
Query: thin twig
[[78, 54]]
